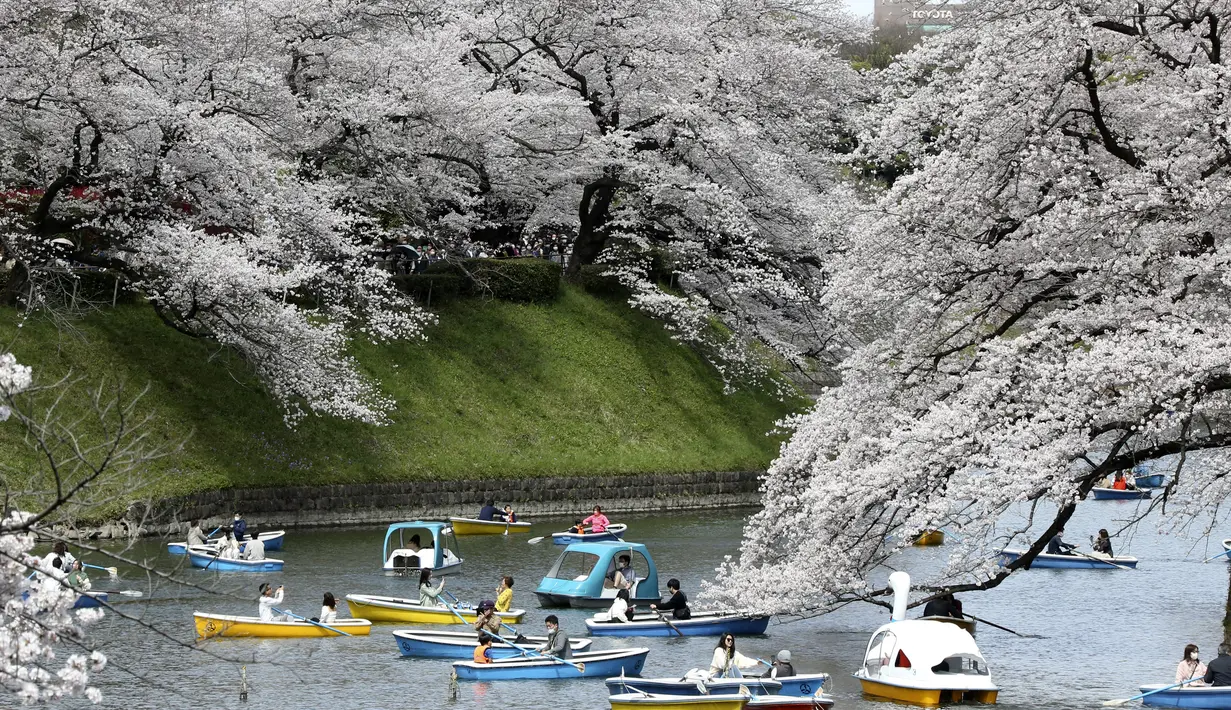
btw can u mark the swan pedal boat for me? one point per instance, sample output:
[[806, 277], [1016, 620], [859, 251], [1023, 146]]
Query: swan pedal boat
[[376, 608], [272, 539], [968, 625], [594, 664], [1117, 494], [1046, 561], [636, 701], [472, 526], [929, 538], [613, 533], [702, 623], [214, 625], [207, 558], [425, 643], [1203, 697]]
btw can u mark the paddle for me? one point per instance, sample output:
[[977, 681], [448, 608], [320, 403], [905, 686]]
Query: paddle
[[315, 623], [670, 625], [1113, 703], [581, 667], [1098, 559], [955, 536], [111, 571], [536, 540], [1224, 552], [214, 532], [1002, 628]]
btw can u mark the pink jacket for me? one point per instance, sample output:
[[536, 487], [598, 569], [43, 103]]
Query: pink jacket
[[1189, 669], [598, 522]]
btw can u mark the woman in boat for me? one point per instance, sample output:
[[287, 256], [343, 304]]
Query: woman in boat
[[598, 522], [1190, 666], [196, 536], [77, 578], [329, 609], [427, 595], [727, 662], [229, 549], [270, 598], [1103, 543], [677, 604], [504, 594], [620, 611], [415, 544]]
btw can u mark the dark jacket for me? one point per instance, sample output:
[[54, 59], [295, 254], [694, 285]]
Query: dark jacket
[[1056, 546], [678, 605], [1219, 671], [782, 669], [491, 512], [940, 607], [1103, 546], [240, 528]]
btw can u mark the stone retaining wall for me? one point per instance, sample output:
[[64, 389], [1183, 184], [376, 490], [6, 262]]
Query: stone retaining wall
[[378, 503]]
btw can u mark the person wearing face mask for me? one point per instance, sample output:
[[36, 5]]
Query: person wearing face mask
[[1190, 666], [1219, 670]]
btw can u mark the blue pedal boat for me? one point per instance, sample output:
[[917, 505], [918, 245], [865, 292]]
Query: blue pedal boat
[[461, 644], [613, 533], [1202, 697], [409, 557], [89, 600], [593, 664], [702, 623], [1046, 561], [579, 577], [1117, 494], [272, 539], [205, 558], [694, 682]]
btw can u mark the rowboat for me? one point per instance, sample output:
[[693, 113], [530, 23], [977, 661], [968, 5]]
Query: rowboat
[[820, 701], [206, 558], [637, 701], [694, 682], [410, 611], [702, 623], [213, 625], [1046, 561], [803, 685], [923, 662], [272, 540], [461, 644], [409, 557], [1117, 494], [470, 526], [89, 600], [580, 575], [593, 664], [1205, 697], [614, 532], [1153, 480], [967, 625], [929, 538]]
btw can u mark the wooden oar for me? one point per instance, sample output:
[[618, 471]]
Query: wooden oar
[[581, 667], [1002, 628], [1097, 559], [111, 571], [670, 625], [1224, 552], [1113, 703], [316, 623]]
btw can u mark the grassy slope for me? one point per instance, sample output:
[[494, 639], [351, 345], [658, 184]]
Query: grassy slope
[[583, 386]]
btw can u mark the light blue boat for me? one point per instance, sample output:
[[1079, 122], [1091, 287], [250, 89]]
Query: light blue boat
[[204, 558], [89, 600], [273, 542], [702, 623], [802, 685], [1152, 480], [1046, 561], [692, 684], [426, 643], [593, 664], [1204, 698], [578, 576], [613, 533], [1117, 494], [442, 555]]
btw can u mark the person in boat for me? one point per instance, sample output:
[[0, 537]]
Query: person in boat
[[1190, 666], [490, 512], [781, 667], [77, 578], [1057, 546], [254, 549], [239, 527], [509, 515], [620, 611], [1219, 670], [229, 548], [429, 596], [677, 604], [59, 558], [727, 662], [578, 528], [598, 522], [487, 621], [196, 535], [624, 576], [504, 594], [270, 598], [557, 642], [483, 652], [944, 605], [415, 544], [1102, 544], [329, 609], [1118, 483]]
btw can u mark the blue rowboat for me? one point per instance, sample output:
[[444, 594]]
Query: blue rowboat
[[694, 682], [803, 685], [1209, 698], [206, 559], [1045, 561], [580, 575], [1153, 480], [1116, 494], [461, 644], [613, 533], [89, 600], [702, 623], [273, 541], [594, 664]]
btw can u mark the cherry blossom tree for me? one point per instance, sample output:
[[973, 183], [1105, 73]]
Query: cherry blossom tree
[[1046, 293]]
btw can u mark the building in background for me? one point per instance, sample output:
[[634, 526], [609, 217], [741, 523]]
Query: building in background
[[917, 17]]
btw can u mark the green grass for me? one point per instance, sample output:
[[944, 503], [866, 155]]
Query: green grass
[[580, 387]]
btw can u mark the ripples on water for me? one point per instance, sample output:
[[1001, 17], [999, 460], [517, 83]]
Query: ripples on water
[[1106, 631]]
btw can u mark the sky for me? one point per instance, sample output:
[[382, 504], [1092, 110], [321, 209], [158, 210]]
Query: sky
[[862, 8]]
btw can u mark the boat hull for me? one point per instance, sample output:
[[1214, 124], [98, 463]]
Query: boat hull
[[690, 687], [804, 685], [637, 701], [614, 533], [218, 625], [210, 562], [700, 624], [930, 538], [1154, 480], [1114, 494], [447, 568], [90, 600], [786, 702], [409, 611], [595, 664], [551, 600], [470, 526], [1068, 561], [1206, 698], [461, 644], [928, 697], [273, 542]]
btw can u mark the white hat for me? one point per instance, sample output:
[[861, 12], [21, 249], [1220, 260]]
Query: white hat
[[784, 656]]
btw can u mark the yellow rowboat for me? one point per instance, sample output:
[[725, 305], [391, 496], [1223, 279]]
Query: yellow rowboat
[[929, 538], [470, 526], [214, 625], [637, 701], [374, 608]]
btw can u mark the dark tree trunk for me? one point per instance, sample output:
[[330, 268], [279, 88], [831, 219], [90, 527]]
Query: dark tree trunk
[[592, 213]]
